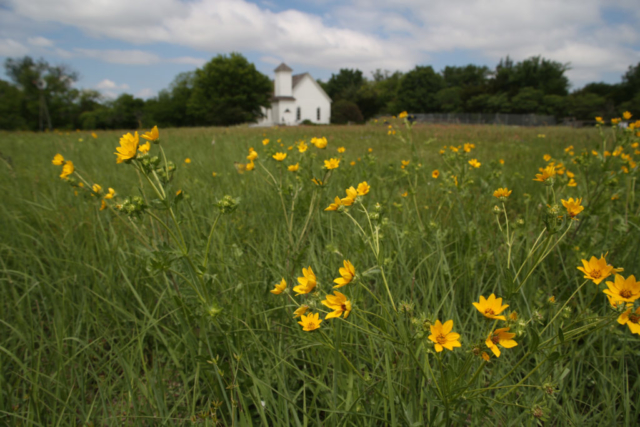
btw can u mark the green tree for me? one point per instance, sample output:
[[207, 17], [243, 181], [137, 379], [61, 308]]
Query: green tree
[[418, 88], [528, 100], [344, 85], [228, 90], [586, 106], [344, 111], [11, 107], [450, 100]]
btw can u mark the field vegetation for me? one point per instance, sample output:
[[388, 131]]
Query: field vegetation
[[385, 274]]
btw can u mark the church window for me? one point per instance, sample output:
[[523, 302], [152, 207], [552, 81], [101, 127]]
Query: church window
[[298, 114], [318, 113]]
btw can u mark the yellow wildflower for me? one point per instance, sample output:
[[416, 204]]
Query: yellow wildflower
[[627, 115], [405, 194], [599, 120], [294, 168], [265, 141], [623, 290], [279, 287], [403, 115], [307, 282], [319, 142], [280, 156], [573, 206], [310, 322], [502, 193], [405, 163], [631, 319], [96, 188], [491, 307], [300, 311], [128, 147], [475, 163], [341, 150], [253, 154], [94, 135], [152, 135], [435, 174], [302, 147], [513, 316], [352, 163], [546, 173], [501, 161], [467, 147], [58, 160], [67, 169], [502, 337], [363, 188], [546, 157], [352, 193], [335, 205], [331, 163], [347, 272], [110, 194], [572, 183], [339, 303], [103, 205], [144, 148], [250, 166], [485, 356], [442, 336], [187, 160]]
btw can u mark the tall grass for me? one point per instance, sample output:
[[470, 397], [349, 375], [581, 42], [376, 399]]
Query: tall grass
[[98, 325]]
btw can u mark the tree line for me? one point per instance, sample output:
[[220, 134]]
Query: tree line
[[229, 90]]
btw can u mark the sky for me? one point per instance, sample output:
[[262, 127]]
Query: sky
[[139, 46]]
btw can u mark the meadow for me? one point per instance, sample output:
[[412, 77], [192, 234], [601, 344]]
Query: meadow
[[205, 283]]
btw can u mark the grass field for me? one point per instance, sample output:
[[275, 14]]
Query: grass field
[[157, 310]]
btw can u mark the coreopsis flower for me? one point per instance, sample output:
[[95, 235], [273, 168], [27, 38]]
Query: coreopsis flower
[[405, 163], [631, 319], [128, 147], [250, 166], [339, 303], [435, 174], [300, 310], [58, 160], [347, 272], [599, 120], [485, 356], [103, 205], [569, 148], [500, 337], [335, 205], [280, 156], [265, 141], [403, 115], [341, 150], [513, 316], [573, 206], [627, 115], [94, 135], [319, 142], [546, 173], [294, 168], [405, 194], [363, 188], [67, 169], [596, 269], [331, 164], [302, 147], [307, 282], [187, 160], [546, 157], [317, 182], [623, 290], [502, 193], [96, 188], [152, 135], [279, 287], [616, 120], [311, 322], [454, 149], [253, 154], [214, 174], [442, 336], [144, 148], [353, 163], [501, 161], [491, 307], [467, 147], [542, 135], [474, 163], [290, 147], [111, 194], [352, 193]]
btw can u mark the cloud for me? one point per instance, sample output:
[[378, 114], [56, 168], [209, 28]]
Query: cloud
[[115, 56], [10, 47], [110, 84], [145, 93], [40, 42], [198, 62]]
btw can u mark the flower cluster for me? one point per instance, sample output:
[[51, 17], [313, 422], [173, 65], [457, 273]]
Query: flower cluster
[[351, 196]]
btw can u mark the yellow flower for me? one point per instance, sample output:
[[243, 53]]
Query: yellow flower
[[552, 299], [572, 183], [403, 115], [302, 147], [491, 307], [542, 135], [443, 337], [280, 156], [454, 149], [58, 160], [405, 163], [339, 304], [110, 194], [502, 337], [467, 147], [265, 141], [475, 163], [347, 273], [80, 139], [631, 319], [67, 169], [294, 168], [96, 188], [187, 160], [607, 153], [616, 120], [103, 205], [319, 142], [513, 316], [300, 311], [546, 157], [317, 182], [279, 287], [501, 161], [623, 290], [546, 173], [485, 356], [290, 147], [370, 150], [94, 135], [363, 188], [335, 205], [599, 120], [331, 163], [144, 148], [214, 174], [341, 149], [250, 166], [352, 163], [310, 322], [435, 174], [152, 135], [128, 147], [279, 140], [502, 193], [627, 115], [594, 152], [569, 148], [252, 155], [405, 194], [307, 282], [570, 174], [573, 206]]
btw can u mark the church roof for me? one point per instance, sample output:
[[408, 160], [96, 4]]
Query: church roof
[[283, 67], [295, 79]]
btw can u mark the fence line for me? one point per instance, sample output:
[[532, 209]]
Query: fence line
[[482, 118]]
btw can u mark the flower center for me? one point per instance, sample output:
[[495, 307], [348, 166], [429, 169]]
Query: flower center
[[596, 274], [343, 307], [626, 293], [634, 318], [495, 339], [441, 339], [489, 312]]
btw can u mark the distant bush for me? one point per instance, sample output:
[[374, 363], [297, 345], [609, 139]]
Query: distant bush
[[344, 111]]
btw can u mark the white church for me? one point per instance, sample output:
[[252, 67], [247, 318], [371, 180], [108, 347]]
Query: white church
[[296, 98]]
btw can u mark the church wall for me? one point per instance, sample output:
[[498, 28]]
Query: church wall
[[309, 99]]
